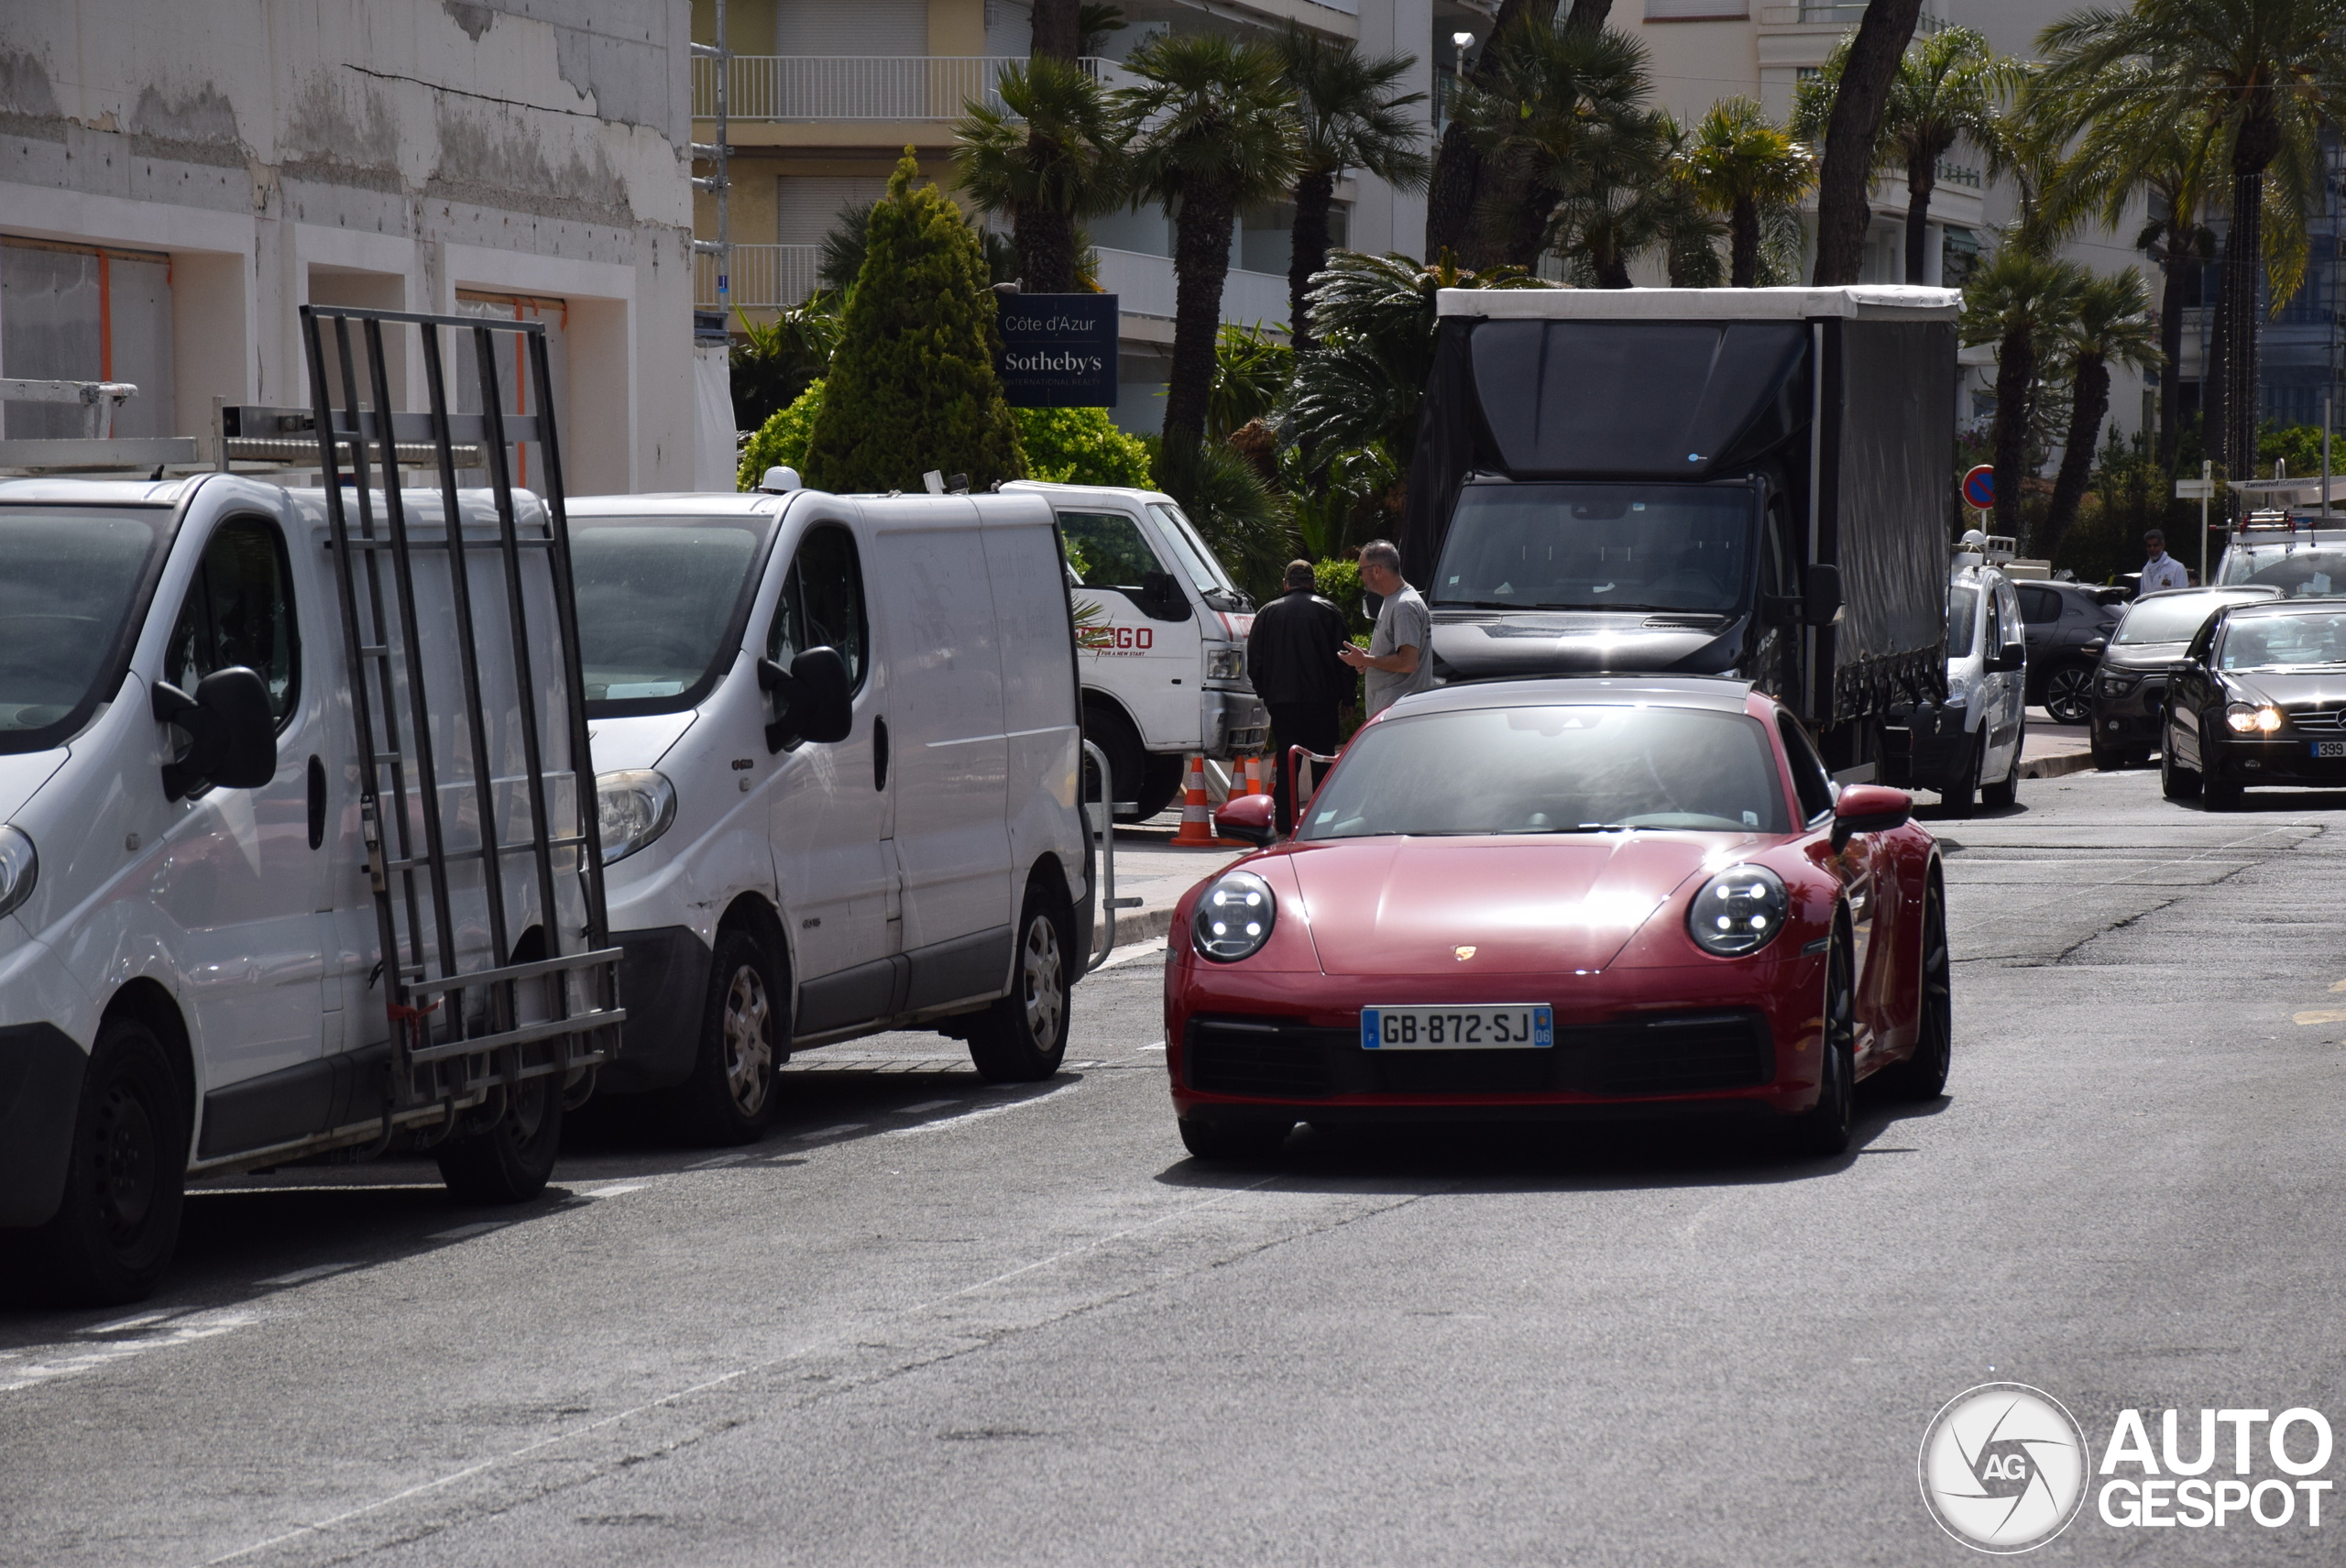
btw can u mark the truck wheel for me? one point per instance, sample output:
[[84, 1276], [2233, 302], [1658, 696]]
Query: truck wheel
[[118, 1222], [1160, 783], [508, 1163], [1022, 1038], [729, 1099], [1110, 730], [1959, 797]]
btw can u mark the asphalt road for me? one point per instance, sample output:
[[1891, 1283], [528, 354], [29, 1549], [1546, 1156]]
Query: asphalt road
[[930, 1322]]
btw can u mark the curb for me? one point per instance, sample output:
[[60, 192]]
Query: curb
[[2059, 766], [1142, 925]]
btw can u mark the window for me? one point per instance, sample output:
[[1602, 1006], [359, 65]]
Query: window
[[516, 386], [661, 605], [72, 591], [1962, 620], [1696, 10], [822, 604], [71, 312], [2038, 606], [1106, 549], [1995, 622], [1811, 783], [239, 611]]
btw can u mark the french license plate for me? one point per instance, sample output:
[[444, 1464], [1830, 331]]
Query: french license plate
[[2328, 747], [1501, 1026]]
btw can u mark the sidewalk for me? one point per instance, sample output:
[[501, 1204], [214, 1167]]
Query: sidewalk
[[2052, 750]]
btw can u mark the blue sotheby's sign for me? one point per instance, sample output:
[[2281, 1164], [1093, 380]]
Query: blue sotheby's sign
[[1059, 351]]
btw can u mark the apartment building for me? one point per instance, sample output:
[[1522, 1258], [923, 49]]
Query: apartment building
[[823, 95], [176, 180]]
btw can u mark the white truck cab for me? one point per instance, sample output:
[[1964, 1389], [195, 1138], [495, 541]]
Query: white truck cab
[[838, 749], [1162, 634]]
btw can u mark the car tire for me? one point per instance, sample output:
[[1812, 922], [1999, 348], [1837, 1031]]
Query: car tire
[[1922, 1076], [2068, 695], [1160, 782], [744, 1036], [2106, 758], [1220, 1141], [2005, 792], [2219, 795], [1959, 796], [1106, 727], [1022, 1037], [1821, 1132], [511, 1161], [2175, 781], [118, 1222]]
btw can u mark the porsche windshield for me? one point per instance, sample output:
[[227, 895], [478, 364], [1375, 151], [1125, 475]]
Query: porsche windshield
[[69, 578], [660, 599], [1579, 546], [1552, 770]]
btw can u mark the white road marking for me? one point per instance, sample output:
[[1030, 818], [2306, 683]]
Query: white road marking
[[613, 1190], [924, 1105], [121, 1325], [477, 1228], [315, 1271], [1127, 954], [841, 1131], [45, 1364], [980, 1115], [1157, 1046], [722, 1159]]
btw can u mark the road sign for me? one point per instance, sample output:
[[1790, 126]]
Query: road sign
[[2194, 489], [1059, 351], [1979, 487]]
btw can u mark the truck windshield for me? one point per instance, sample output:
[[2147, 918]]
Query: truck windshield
[[1198, 562], [660, 601], [1574, 546], [70, 578], [2301, 571]]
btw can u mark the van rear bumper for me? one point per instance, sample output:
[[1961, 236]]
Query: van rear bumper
[[663, 981], [40, 1098]]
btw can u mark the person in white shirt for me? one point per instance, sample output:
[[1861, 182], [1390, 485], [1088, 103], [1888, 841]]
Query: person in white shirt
[[2162, 570]]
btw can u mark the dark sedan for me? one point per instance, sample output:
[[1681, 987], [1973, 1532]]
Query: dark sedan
[[2130, 690], [2065, 624], [2258, 699]]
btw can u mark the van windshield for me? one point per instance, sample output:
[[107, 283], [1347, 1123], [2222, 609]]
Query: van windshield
[[69, 579], [661, 602], [2299, 571], [1573, 546]]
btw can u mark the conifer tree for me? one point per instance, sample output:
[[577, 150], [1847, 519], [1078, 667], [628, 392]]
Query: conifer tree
[[912, 385]]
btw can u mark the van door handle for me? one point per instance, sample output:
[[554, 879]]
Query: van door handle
[[879, 754], [317, 803]]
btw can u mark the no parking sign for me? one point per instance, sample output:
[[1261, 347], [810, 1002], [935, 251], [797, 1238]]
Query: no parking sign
[[1979, 487]]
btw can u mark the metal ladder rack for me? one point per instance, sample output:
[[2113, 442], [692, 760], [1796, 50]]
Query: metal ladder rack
[[460, 1034]]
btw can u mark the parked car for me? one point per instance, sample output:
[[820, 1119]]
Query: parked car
[[1559, 899], [2259, 697], [2129, 686], [2065, 626], [837, 752], [1161, 635]]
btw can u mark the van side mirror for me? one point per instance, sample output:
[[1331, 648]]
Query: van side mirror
[[1247, 819], [814, 700], [1161, 599], [230, 734], [2011, 656], [1870, 808], [1820, 592]]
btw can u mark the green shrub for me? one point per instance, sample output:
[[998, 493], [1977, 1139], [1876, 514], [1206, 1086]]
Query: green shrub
[[782, 440], [1081, 447], [912, 387], [1339, 584]]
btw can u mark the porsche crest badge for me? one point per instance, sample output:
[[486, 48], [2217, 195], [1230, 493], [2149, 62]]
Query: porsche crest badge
[[1464, 953]]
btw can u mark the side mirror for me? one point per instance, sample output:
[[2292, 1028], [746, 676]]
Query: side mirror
[[1820, 592], [230, 734], [1161, 599], [2011, 656], [1249, 819], [814, 700], [1870, 808]]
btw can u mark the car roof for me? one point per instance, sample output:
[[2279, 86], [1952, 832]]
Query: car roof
[[2308, 606], [2254, 590], [1714, 692]]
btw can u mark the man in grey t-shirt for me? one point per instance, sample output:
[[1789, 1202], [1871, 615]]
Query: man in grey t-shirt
[[1399, 660]]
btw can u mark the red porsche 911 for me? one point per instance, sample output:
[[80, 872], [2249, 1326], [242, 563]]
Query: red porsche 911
[[1563, 899]]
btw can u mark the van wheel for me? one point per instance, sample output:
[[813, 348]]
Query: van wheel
[[118, 1222], [1113, 734], [1160, 782], [1960, 795], [2006, 791], [1022, 1038], [729, 1099], [508, 1163]]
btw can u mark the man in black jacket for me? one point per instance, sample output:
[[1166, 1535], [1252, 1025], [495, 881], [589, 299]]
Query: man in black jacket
[[1291, 659]]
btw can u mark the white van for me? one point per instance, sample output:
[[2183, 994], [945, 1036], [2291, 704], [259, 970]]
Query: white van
[[1984, 721], [1163, 636], [191, 976], [838, 753]]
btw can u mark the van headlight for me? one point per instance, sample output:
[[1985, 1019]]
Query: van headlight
[[632, 808], [19, 869], [1225, 663], [1235, 918], [1739, 912]]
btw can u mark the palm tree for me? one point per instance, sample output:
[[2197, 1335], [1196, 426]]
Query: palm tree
[[1739, 165], [1050, 156], [2112, 326], [1949, 87], [1618, 200], [1353, 118], [2019, 300], [1213, 129], [1559, 108], [1852, 131], [2264, 76]]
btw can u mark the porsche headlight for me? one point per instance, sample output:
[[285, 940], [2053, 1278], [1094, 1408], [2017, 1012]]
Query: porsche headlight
[[19, 869], [1740, 911], [1235, 918], [632, 808], [2246, 719]]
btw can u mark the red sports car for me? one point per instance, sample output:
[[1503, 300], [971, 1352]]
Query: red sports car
[[1563, 899]]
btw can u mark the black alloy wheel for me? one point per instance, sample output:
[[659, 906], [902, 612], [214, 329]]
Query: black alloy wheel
[[2175, 781], [118, 1222], [2068, 695], [1233, 1141], [1022, 1037], [1821, 1132], [744, 1036], [1922, 1076]]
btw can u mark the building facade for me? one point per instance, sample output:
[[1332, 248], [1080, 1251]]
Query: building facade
[[176, 180]]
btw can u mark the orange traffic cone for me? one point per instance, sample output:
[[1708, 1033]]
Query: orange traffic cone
[[1255, 776], [1197, 830]]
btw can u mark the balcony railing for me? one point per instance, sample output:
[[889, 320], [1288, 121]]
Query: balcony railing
[[763, 276], [1956, 174], [1837, 14], [860, 87]]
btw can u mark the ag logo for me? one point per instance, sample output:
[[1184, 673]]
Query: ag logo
[[2003, 1467]]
